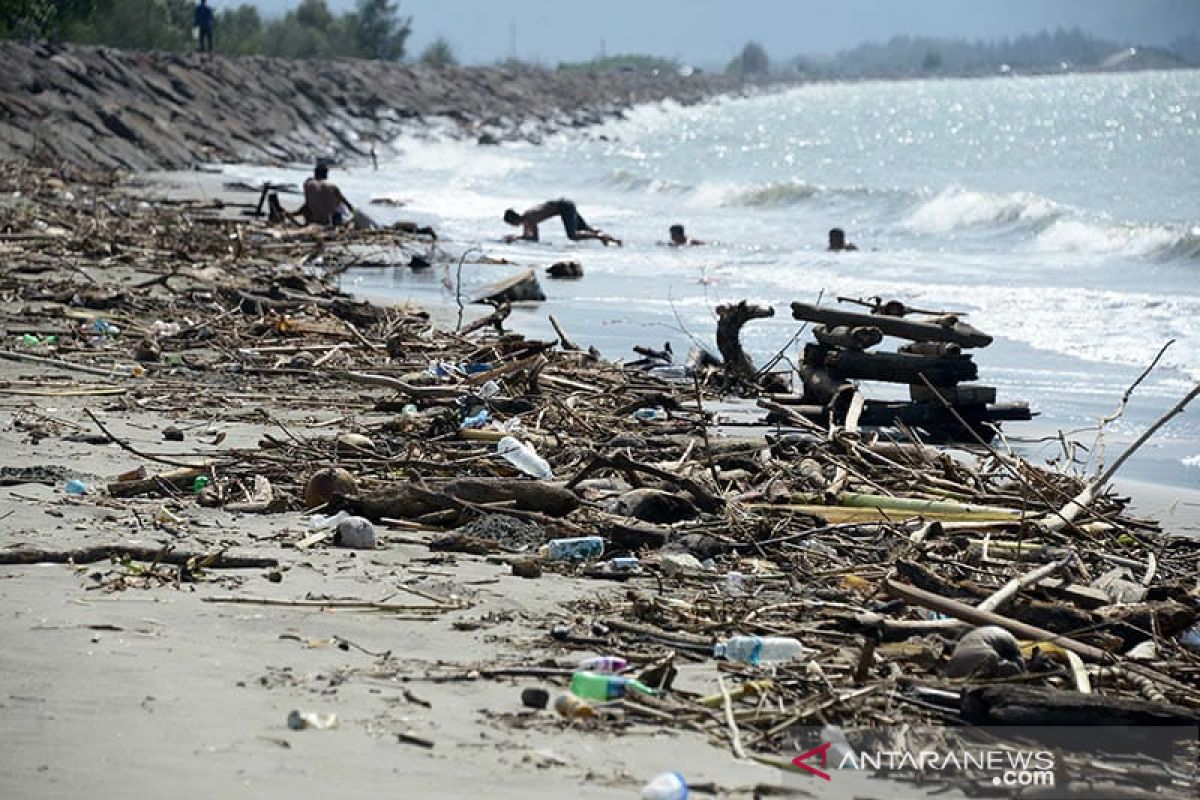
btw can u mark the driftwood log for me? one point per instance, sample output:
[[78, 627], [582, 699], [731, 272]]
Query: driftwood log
[[110, 552], [856, 338], [1032, 705], [730, 320], [893, 367], [410, 500], [959, 333]]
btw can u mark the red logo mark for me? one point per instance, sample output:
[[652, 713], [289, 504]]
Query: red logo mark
[[823, 752]]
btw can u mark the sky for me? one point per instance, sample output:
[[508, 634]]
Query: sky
[[708, 32]]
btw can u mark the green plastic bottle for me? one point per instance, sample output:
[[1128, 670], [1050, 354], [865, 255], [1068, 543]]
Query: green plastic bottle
[[594, 686]]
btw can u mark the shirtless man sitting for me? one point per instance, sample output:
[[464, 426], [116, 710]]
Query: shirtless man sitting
[[324, 203], [573, 223]]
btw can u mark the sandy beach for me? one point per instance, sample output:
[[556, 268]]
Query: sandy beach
[[175, 371]]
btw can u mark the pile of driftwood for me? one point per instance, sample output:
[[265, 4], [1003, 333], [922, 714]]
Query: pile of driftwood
[[878, 553]]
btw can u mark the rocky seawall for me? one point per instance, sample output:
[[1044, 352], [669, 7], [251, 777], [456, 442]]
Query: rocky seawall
[[99, 107]]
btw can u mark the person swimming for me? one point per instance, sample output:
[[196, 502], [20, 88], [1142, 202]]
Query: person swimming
[[679, 237], [837, 241]]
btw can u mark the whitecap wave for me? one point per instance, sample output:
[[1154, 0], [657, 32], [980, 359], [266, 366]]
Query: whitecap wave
[[630, 181], [1191, 461], [775, 193], [956, 208], [1074, 236]]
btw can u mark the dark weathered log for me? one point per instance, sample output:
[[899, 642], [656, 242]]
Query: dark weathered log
[[635, 537], [523, 286], [931, 349], [730, 320], [1031, 705], [959, 333], [893, 367], [972, 395], [527, 495], [410, 501], [107, 552], [858, 338]]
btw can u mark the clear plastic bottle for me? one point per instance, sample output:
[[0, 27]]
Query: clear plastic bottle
[[668, 786], [577, 548], [609, 665], [597, 686], [656, 414], [758, 649], [489, 390], [672, 372], [524, 458], [625, 564]]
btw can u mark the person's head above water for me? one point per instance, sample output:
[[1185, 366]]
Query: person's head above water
[[512, 217], [837, 240], [677, 235], [321, 171]]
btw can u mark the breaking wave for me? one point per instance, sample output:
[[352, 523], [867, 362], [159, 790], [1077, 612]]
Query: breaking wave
[[632, 182], [776, 193], [1191, 461], [1148, 241], [956, 208]]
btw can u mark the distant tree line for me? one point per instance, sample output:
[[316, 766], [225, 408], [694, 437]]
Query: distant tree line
[[1041, 52], [374, 29]]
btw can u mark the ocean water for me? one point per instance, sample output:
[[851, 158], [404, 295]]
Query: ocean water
[[1060, 214]]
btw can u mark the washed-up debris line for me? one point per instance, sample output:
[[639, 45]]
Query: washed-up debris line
[[903, 583]]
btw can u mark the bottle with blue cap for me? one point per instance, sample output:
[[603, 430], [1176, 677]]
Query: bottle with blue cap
[[758, 649], [668, 786]]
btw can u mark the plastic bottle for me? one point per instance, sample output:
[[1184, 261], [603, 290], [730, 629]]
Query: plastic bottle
[[605, 665], [656, 414], [673, 372], [489, 390], [597, 686], [625, 564], [571, 707], [1191, 638], [105, 328], [76, 487], [577, 548], [735, 584], [199, 483], [668, 786], [524, 458], [29, 340], [476, 420], [758, 649]]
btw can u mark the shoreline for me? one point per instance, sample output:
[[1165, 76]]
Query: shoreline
[[101, 108], [135, 672]]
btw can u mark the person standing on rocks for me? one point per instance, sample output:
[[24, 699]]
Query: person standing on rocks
[[573, 222], [324, 203], [203, 20]]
